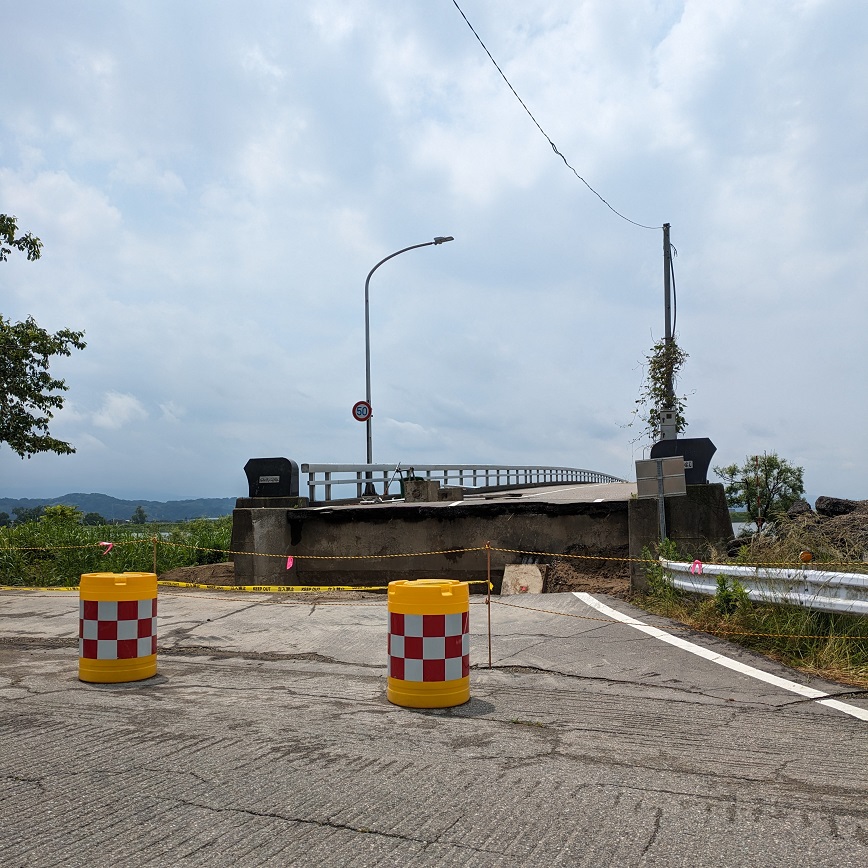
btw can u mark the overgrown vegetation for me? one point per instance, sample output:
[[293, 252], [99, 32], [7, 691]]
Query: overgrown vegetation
[[765, 486], [831, 645], [662, 368], [840, 541], [56, 549]]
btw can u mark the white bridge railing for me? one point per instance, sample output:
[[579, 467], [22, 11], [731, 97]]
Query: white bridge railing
[[357, 480], [808, 588]]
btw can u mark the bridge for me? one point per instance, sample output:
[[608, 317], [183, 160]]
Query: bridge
[[360, 527], [325, 481]]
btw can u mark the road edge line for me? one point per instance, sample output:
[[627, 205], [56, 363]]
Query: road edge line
[[713, 656]]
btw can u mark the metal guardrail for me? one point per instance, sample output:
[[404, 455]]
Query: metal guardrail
[[483, 477], [807, 588]]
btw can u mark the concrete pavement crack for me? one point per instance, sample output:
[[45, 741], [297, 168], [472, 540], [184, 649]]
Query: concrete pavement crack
[[266, 656], [39, 641], [791, 787], [654, 833], [843, 694], [330, 824], [527, 669], [20, 779]]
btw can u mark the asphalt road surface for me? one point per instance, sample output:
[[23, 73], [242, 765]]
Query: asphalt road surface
[[267, 739]]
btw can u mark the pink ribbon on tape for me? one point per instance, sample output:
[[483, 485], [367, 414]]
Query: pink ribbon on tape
[[696, 568], [109, 546], [289, 562]]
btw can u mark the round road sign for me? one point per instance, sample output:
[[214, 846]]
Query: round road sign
[[362, 411]]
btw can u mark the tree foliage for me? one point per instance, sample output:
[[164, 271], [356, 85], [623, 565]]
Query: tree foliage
[[61, 513], [28, 243], [765, 485], [24, 514], [139, 516], [93, 518], [28, 392], [663, 365]]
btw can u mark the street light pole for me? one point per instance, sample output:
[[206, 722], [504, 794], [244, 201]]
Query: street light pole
[[440, 239], [667, 301]]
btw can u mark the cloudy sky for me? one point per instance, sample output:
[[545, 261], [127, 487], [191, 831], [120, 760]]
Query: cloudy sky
[[213, 181]]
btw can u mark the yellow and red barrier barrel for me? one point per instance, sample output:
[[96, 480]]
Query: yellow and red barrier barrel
[[117, 627], [429, 643]]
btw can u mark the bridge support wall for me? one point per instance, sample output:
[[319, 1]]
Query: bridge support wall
[[272, 529], [696, 523], [383, 531]]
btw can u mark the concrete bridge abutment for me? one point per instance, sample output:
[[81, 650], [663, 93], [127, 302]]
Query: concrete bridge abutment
[[367, 545]]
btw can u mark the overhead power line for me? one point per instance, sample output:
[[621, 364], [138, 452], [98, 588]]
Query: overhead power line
[[536, 122]]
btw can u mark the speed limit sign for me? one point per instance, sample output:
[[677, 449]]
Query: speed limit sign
[[361, 411]]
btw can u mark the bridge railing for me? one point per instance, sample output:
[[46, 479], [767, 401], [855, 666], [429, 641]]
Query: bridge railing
[[355, 481]]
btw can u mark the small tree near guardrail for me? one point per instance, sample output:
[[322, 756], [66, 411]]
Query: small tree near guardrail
[[765, 485]]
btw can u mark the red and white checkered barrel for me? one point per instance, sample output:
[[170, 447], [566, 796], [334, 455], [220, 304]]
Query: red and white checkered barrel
[[117, 627], [429, 643]]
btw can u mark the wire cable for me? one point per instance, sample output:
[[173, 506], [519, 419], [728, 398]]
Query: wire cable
[[545, 134], [673, 253]]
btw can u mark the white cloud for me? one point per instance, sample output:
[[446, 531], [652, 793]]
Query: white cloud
[[118, 410], [172, 412], [209, 219], [254, 61], [144, 172], [335, 21]]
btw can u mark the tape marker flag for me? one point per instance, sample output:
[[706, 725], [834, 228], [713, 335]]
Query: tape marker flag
[[696, 568], [110, 546], [289, 562]]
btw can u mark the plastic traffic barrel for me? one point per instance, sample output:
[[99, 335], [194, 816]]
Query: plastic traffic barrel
[[117, 627], [429, 643]]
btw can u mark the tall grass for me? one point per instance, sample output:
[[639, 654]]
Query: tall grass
[[56, 553], [828, 644]]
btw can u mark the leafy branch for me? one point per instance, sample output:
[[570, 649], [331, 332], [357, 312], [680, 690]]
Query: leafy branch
[[663, 365]]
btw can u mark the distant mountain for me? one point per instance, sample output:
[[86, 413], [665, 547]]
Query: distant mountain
[[113, 508]]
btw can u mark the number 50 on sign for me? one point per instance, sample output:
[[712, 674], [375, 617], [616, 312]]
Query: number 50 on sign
[[362, 411]]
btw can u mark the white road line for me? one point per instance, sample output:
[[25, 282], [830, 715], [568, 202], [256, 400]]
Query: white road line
[[584, 487], [714, 657]]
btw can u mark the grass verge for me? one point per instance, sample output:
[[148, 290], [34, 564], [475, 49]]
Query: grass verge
[[830, 645], [56, 553]]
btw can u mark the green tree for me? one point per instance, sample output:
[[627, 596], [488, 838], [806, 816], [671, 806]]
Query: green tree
[[93, 518], [765, 485], [662, 367], [23, 514], [139, 516], [27, 390], [61, 513], [5, 520], [28, 243]]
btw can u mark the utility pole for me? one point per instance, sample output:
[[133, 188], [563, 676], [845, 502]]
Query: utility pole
[[667, 292]]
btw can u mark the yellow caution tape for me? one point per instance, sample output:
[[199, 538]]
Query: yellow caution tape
[[296, 589], [854, 566]]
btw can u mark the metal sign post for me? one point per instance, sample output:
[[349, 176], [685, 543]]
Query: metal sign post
[[661, 478]]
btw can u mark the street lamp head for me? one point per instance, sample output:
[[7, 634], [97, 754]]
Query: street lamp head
[[439, 239]]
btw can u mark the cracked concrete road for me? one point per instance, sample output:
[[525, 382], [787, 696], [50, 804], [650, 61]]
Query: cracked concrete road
[[266, 739]]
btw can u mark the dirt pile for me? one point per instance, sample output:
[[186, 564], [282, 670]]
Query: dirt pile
[[836, 531], [596, 572], [207, 574]]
